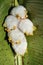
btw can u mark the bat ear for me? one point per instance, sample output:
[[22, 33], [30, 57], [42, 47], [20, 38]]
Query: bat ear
[[34, 28], [8, 30], [4, 25], [26, 11]]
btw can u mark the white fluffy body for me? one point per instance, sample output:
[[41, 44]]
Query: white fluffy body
[[26, 26], [16, 35], [20, 10], [11, 21]]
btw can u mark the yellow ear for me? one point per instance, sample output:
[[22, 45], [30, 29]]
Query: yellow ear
[[8, 30], [34, 28], [26, 11], [4, 25]]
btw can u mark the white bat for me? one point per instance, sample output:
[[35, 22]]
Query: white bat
[[11, 22], [26, 26], [19, 12], [19, 42]]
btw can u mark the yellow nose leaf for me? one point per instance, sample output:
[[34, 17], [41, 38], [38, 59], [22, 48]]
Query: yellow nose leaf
[[18, 42], [18, 17], [14, 27]]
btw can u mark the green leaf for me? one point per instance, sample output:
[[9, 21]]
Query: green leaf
[[35, 42]]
